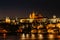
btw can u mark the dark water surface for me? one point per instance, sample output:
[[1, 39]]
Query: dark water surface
[[19, 36]]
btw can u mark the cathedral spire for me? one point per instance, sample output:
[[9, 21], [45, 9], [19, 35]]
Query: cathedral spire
[[32, 15]]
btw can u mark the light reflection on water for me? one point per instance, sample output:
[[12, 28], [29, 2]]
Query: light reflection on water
[[30, 37], [22, 36], [50, 36], [4, 35], [40, 36]]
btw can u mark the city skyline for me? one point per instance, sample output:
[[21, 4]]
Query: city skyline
[[28, 16]]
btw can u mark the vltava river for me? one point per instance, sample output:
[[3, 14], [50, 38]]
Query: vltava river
[[19, 36]]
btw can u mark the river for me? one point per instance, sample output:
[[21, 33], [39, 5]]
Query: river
[[19, 36]]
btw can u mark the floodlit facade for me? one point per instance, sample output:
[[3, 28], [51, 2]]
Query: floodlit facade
[[54, 19], [7, 20]]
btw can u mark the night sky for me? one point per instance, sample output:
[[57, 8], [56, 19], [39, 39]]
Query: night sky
[[22, 8]]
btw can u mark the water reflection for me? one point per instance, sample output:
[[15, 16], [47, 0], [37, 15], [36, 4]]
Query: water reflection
[[27, 36], [30, 37], [50, 36], [4, 35], [40, 36]]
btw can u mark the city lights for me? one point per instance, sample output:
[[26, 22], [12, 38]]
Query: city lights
[[36, 23], [7, 20]]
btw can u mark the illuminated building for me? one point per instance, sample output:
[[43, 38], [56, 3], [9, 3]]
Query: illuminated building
[[37, 17], [36, 22], [32, 16], [7, 20], [54, 19]]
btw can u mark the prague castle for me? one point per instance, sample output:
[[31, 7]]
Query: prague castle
[[35, 23]]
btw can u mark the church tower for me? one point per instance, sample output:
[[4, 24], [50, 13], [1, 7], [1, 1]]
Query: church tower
[[32, 16]]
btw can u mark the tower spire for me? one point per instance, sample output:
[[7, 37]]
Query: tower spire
[[32, 15]]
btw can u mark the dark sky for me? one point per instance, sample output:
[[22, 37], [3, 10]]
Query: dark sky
[[22, 8]]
